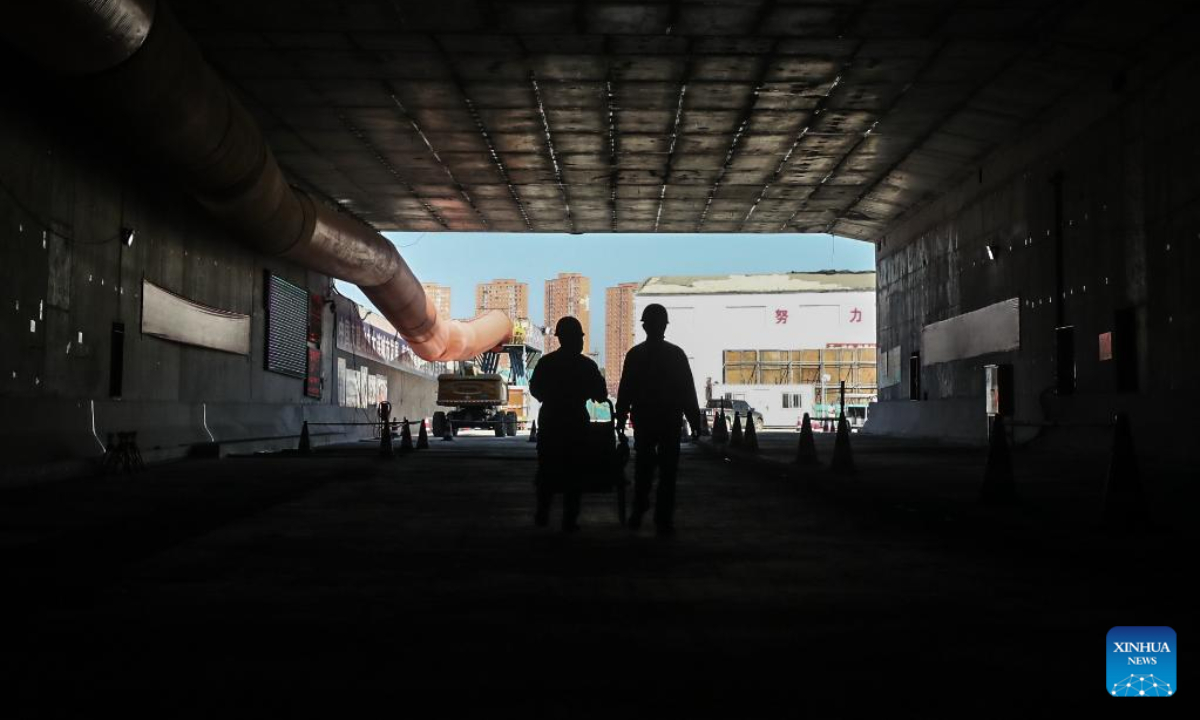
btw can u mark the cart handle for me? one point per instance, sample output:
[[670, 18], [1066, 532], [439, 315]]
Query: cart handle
[[612, 413]]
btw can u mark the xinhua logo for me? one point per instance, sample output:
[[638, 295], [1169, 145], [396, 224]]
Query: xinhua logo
[[1141, 661]]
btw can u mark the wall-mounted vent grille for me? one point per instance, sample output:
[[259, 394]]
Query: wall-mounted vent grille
[[287, 328]]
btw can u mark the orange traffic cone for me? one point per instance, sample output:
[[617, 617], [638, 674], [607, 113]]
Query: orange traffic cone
[[406, 442], [998, 487], [1124, 504], [305, 446], [720, 434], [422, 437], [735, 436], [750, 440], [806, 447], [843, 460]]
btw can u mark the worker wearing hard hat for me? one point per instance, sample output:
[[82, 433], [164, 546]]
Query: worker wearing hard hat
[[657, 389], [563, 381]]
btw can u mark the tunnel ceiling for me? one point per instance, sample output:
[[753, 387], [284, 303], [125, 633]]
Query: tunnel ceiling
[[637, 116]]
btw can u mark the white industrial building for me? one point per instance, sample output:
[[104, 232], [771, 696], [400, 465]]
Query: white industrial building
[[782, 342]]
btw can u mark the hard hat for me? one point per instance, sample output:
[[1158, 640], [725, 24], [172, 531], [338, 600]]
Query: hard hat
[[654, 313], [568, 327]]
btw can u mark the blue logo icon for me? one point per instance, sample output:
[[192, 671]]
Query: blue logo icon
[[1141, 661]]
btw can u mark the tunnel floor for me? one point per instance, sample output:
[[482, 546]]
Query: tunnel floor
[[264, 583]]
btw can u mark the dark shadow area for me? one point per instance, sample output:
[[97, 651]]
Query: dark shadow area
[[267, 584]]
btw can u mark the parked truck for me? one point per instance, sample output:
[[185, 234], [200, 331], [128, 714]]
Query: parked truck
[[474, 401]]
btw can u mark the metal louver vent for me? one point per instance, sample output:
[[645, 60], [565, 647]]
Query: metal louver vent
[[287, 328]]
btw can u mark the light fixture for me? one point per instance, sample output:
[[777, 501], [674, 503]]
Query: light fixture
[[126, 236], [991, 251]]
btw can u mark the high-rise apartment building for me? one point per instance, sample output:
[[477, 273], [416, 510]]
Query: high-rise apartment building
[[440, 295], [618, 331], [568, 294], [503, 294]]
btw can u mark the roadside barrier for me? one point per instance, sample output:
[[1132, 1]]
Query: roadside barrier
[[806, 446]]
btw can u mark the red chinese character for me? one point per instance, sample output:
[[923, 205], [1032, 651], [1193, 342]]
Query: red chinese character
[[856, 315], [781, 317]]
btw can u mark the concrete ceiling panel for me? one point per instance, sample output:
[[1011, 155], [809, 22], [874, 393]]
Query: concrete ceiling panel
[[533, 17], [908, 94], [645, 121], [567, 143], [808, 70], [787, 97], [728, 45], [805, 20], [573, 94], [727, 68], [709, 121], [563, 44], [844, 121], [716, 19], [519, 120], [570, 67], [718, 96], [576, 120], [648, 44], [632, 18]]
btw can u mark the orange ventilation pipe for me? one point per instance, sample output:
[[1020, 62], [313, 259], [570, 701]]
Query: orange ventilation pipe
[[136, 66]]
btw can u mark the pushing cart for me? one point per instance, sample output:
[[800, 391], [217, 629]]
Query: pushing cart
[[601, 465]]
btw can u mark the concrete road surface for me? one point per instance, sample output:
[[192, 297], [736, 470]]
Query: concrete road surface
[[271, 586]]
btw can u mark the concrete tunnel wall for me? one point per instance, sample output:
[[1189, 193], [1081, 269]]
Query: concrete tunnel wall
[[1130, 169], [78, 278]]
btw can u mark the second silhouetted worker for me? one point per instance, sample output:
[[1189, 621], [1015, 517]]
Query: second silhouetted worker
[[657, 390]]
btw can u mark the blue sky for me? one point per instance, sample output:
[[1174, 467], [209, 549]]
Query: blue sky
[[461, 260]]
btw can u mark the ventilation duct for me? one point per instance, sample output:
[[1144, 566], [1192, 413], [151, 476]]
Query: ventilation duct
[[136, 66]]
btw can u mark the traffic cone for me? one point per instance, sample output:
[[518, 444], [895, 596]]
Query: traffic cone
[[806, 447], [705, 431], [406, 443], [843, 460], [447, 431], [1124, 504], [720, 433], [305, 446], [998, 487], [385, 440], [735, 437], [750, 441], [533, 431], [422, 437]]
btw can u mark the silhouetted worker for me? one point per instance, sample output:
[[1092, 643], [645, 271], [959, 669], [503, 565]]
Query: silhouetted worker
[[657, 388], [564, 380]]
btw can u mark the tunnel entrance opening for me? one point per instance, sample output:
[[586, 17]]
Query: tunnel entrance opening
[[779, 321]]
